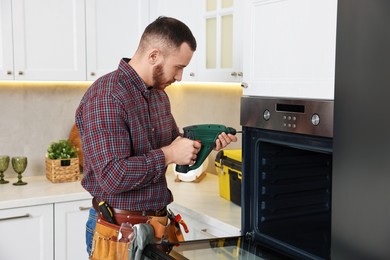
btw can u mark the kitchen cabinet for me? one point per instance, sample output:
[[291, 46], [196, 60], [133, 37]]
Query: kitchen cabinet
[[289, 48], [113, 32], [187, 11], [42, 40], [220, 46], [216, 27], [69, 229], [6, 45], [27, 233], [67, 40]]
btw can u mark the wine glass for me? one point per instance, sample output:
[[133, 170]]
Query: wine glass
[[19, 163], [4, 162]]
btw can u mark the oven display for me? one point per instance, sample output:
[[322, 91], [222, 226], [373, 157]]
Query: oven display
[[290, 108]]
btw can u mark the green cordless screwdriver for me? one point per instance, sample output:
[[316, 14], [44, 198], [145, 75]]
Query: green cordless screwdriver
[[206, 134]]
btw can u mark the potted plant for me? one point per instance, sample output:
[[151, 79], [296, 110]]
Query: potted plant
[[62, 163]]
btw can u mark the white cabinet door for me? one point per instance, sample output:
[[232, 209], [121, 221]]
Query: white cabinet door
[[27, 233], [49, 39], [113, 32], [216, 27], [6, 43], [220, 47], [189, 12], [70, 220], [289, 48]]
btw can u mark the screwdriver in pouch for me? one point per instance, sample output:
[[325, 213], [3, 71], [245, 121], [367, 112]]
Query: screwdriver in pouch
[[107, 212]]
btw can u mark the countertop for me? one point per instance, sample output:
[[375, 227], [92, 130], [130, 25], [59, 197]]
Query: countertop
[[203, 197], [199, 200], [39, 191]]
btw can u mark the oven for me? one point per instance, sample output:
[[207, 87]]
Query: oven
[[287, 184], [287, 174]]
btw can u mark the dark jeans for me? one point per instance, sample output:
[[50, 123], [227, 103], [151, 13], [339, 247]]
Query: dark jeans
[[90, 228]]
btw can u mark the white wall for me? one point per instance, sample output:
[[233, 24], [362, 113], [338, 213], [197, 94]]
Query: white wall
[[32, 115]]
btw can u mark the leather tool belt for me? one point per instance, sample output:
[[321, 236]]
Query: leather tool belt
[[159, 220], [106, 244], [124, 213]]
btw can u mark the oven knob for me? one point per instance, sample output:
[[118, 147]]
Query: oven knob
[[266, 115], [315, 119]]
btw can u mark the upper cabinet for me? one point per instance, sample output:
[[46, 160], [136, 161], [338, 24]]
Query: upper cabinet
[[220, 44], [82, 40], [289, 48], [42, 40], [6, 44], [216, 27], [67, 40], [187, 11], [113, 32]]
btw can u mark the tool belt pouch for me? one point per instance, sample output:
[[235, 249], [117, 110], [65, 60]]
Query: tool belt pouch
[[159, 227], [171, 231], [110, 241]]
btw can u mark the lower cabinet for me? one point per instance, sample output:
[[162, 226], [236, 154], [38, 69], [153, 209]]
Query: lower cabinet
[[69, 229], [44, 232], [27, 233]]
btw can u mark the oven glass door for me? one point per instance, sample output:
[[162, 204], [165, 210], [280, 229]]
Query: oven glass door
[[288, 184], [217, 248]]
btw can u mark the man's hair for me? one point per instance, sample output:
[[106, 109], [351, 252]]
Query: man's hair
[[169, 32]]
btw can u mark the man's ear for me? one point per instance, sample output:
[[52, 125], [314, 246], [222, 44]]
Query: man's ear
[[154, 56]]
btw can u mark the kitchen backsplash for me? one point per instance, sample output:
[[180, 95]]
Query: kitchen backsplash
[[33, 114]]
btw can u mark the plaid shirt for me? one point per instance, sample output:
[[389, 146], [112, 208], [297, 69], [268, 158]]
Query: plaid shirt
[[123, 125]]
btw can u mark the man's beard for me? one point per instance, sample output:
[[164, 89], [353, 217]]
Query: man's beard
[[158, 77]]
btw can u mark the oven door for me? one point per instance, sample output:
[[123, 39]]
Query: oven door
[[216, 248], [288, 192]]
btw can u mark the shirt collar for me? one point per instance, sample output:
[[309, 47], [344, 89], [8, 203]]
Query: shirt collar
[[133, 76]]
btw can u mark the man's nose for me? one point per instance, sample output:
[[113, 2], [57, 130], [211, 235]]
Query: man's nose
[[179, 75]]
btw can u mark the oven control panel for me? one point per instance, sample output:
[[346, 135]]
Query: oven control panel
[[311, 117]]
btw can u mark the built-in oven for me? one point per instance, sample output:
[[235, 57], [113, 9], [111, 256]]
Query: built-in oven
[[286, 184], [287, 174]]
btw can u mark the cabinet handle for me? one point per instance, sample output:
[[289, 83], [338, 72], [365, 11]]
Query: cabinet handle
[[244, 85], [9, 72], [20, 73], [235, 74], [93, 73], [84, 208], [192, 74], [16, 217]]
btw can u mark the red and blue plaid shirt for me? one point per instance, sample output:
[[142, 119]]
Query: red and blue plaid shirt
[[123, 125]]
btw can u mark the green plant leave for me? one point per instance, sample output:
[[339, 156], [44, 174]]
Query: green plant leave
[[62, 149]]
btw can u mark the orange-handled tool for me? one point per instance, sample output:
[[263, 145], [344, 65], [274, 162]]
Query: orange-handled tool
[[179, 220]]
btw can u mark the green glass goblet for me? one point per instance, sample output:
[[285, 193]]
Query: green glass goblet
[[19, 163], [4, 162]]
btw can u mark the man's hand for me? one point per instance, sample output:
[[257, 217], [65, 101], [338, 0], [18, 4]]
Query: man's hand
[[224, 140], [181, 151]]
